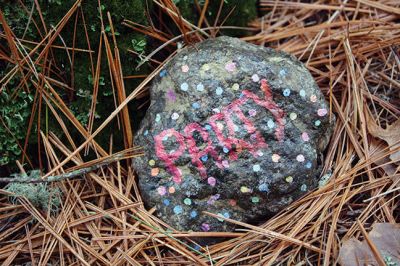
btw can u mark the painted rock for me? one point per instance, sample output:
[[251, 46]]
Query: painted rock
[[233, 129]]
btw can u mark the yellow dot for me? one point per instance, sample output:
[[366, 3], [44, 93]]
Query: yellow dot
[[205, 67], [244, 189], [235, 87], [152, 162], [289, 179]]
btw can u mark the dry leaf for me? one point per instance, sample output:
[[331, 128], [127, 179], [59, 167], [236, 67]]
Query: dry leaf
[[391, 135], [386, 238], [377, 149]]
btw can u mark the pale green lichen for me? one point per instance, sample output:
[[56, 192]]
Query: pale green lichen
[[42, 195]]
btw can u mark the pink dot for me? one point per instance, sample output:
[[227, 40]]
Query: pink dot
[[185, 68], [300, 158], [313, 98], [230, 66], [322, 112], [252, 112], [162, 190], [211, 181], [275, 157], [305, 136], [225, 163]]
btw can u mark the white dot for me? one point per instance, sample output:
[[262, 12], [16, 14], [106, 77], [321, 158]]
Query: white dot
[[256, 168], [200, 87], [184, 86]]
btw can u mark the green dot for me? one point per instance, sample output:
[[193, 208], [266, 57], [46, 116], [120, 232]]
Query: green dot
[[187, 201], [255, 199]]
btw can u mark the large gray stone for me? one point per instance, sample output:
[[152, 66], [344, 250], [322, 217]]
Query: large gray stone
[[233, 129]]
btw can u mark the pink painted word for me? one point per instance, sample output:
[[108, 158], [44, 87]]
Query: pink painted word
[[186, 140]]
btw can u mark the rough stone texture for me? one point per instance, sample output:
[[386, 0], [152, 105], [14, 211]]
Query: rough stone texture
[[233, 129]]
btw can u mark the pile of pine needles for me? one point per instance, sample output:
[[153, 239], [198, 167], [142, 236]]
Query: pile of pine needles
[[352, 50]]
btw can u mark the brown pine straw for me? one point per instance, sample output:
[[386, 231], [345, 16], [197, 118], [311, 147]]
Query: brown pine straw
[[352, 50]]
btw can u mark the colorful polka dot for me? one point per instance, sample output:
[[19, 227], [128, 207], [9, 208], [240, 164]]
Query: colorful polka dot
[[230, 67], [184, 86], [205, 67], [260, 153], [211, 181], [163, 73], [187, 201], [152, 162], [256, 168], [275, 157], [289, 179], [205, 227], [166, 202], [305, 136], [204, 158], [225, 150], [219, 91], [200, 87], [263, 187], [313, 98], [252, 112], [255, 199], [308, 165], [317, 123], [286, 92], [302, 93], [207, 127], [174, 116], [232, 202], [155, 171], [193, 214], [270, 123], [282, 72], [220, 215], [303, 187], [300, 158], [178, 209], [255, 78], [196, 105], [322, 112], [158, 118], [293, 116], [171, 190], [244, 189], [146, 132], [185, 68], [225, 163], [235, 87], [162, 190]]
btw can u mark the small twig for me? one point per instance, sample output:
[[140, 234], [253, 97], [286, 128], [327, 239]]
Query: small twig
[[69, 175]]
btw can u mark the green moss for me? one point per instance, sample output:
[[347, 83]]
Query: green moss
[[16, 112], [243, 12]]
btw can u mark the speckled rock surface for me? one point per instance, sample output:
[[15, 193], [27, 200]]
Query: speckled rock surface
[[233, 129]]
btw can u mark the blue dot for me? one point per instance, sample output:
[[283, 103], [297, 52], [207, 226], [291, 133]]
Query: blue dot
[[178, 209], [226, 215], [282, 72], [197, 247], [163, 73], [263, 187], [241, 95], [208, 127], [286, 92], [193, 214], [196, 105], [219, 91], [166, 202], [317, 123], [308, 165], [146, 133], [204, 158], [225, 149]]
